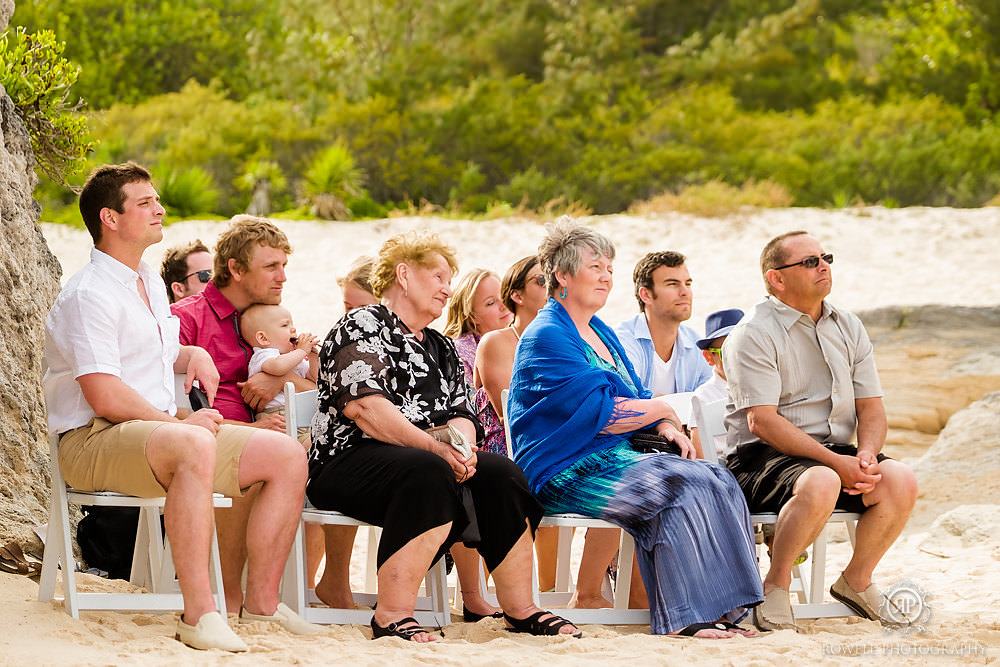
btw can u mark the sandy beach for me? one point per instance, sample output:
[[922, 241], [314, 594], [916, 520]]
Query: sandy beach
[[934, 374]]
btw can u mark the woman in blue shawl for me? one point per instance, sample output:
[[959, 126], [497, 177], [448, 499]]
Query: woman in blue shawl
[[574, 401]]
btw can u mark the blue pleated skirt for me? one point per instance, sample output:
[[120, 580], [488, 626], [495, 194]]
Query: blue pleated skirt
[[693, 536]]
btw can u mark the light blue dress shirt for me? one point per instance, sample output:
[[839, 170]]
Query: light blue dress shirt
[[690, 368]]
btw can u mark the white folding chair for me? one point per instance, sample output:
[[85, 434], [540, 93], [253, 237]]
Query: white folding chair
[[432, 607], [619, 613], [710, 418], [152, 565]]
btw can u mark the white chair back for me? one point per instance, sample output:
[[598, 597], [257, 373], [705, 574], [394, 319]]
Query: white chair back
[[710, 419], [299, 409]]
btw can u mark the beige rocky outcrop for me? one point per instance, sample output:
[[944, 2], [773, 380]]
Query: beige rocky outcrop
[[29, 282], [963, 466]]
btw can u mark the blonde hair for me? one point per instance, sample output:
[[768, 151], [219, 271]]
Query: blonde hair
[[240, 240], [460, 304], [413, 247], [359, 274]]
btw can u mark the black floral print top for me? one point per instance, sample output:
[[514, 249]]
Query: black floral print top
[[370, 351]]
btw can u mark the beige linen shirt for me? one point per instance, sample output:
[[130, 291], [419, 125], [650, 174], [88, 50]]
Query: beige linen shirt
[[812, 372]]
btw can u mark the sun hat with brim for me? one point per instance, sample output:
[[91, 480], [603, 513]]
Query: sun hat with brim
[[719, 324]]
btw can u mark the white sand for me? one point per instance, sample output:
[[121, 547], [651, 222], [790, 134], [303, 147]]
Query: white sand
[[883, 257]]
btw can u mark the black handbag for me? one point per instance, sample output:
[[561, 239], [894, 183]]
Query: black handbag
[[648, 442]]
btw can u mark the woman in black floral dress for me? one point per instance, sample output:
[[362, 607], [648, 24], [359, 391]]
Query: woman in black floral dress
[[385, 378]]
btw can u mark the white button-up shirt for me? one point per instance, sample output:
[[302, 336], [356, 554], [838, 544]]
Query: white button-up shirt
[[99, 324], [812, 371]]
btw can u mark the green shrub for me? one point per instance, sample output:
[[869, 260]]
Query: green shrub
[[187, 193], [38, 79]]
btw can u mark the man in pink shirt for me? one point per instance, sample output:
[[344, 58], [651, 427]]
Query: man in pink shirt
[[250, 259]]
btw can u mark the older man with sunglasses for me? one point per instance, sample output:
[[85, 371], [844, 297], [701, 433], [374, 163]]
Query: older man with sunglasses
[[802, 386], [186, 270]]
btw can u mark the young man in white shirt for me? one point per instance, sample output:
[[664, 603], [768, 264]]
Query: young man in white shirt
[[662, 350], [112, 349]]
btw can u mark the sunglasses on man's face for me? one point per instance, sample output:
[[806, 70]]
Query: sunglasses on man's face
[[809, 262], [203, 276]]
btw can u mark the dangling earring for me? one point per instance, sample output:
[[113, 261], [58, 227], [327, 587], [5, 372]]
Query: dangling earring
[[562, 295]]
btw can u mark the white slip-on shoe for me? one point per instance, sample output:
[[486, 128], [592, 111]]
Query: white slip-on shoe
[[286, 618], [775, 612], [211, 631]]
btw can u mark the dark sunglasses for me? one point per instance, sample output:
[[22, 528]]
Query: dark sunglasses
[[809, 262], [203, 276], [539, 280]]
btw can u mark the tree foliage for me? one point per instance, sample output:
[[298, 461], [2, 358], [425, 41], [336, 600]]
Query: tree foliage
[[38, 79], [470, 104]]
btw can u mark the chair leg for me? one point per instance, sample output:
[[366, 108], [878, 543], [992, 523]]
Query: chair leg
[[371, 567], [623, 582], [215, 576], [563, 581], [293, 587], [70, 600], [818, 568], [53, 549]]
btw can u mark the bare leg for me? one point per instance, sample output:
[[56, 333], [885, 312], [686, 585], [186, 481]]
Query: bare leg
[[231, 528], [314, 552], [400, 577], [546, 545], [637, 592], [513, 579], [467, 564], [334, 588], [280, 464], [182, 458], [800, 522], [600, 546], [889, 506]]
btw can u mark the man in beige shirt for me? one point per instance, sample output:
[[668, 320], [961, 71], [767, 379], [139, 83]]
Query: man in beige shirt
[[802, 387]]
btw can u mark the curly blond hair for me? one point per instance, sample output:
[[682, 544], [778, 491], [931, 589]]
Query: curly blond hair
[[414, 247]]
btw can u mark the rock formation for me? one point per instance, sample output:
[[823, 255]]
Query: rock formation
[[963, 466], [29, 282]]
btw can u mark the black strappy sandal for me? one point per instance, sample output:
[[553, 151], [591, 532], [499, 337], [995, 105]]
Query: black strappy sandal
[[534, 626], [695, 628], [472, 617], [393, 629]]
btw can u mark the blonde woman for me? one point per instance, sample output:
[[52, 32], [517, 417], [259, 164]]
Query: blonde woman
[[475, 309], [385, 378], [356, 285]]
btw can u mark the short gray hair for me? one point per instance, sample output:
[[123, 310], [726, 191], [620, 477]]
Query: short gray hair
[[561, 249]]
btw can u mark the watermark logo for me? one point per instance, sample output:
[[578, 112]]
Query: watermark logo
[[907, 608]]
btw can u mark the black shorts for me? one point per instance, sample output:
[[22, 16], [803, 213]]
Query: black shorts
[[767, 476]]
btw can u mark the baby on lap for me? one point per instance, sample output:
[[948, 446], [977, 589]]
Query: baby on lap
[[277, 351]]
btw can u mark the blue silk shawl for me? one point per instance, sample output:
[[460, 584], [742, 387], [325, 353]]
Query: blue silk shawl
[[559, 403]]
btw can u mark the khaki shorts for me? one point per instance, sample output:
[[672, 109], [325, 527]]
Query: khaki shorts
[[302, 433], [102, 456]]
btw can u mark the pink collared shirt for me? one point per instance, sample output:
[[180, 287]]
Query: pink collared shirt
[[210, 321]]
